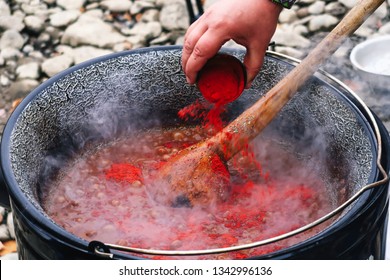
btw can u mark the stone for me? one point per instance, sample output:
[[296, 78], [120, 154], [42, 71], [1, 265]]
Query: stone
[[136, 41], [64, 18], [97, 13], [64, 49], [2, 209], [323, 21], [116, 6], [4, 81], [11, 39], [364, 31], [307, 1], [161, 40], [28, 71], [56, 64], [11, 22], [9, 53], [71, 4], [293, 52], [36, 55], [381, 12], [140, 6], [85, 53], [10, 256], [349, 3], [316, 8], [385, 29], [335, 9], [373, 20], [285, 35], [27, 49], [301, 29], [150, 15], [55, 34], [92, 6], [10, 225], [19, 13], [20, 88], [120, 47], [4, 233], [10, 67], [174, 16], [179, 41], [33, 8], [90, 30], [149, 30], [342, 51], [34, 23], [233, 44], [4, 9], [303, 12], [287, 16]]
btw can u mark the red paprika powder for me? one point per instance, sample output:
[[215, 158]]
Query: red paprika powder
[[222, 79], [219, 167], [124, 172]]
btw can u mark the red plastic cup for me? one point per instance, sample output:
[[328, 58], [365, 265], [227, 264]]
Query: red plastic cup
[[222, 79]]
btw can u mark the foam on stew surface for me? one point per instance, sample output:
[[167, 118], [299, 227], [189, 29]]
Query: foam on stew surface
[[103, 194]]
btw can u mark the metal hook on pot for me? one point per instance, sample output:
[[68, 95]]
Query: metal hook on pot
[[100, 249]]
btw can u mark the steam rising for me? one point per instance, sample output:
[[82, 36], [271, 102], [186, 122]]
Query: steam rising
[[110, 117], [294, 154], [86, 204]]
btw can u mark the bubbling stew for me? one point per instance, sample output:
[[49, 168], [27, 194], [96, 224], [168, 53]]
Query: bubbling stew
[[104, 194]]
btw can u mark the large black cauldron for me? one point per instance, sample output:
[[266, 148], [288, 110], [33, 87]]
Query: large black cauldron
[[147, 87]]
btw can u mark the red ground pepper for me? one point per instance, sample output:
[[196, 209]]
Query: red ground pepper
[[219, 167], [124, 172], [222, 79], [195, 110], [260, 205]]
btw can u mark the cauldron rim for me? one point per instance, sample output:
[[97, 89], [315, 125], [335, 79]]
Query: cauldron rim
[[28, 207]]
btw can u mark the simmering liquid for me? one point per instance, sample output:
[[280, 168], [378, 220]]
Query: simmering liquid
[[104, 194]]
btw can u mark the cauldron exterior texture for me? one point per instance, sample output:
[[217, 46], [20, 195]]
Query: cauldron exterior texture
[[147, 86]]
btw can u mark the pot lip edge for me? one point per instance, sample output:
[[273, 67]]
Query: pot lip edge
[[5, 146]]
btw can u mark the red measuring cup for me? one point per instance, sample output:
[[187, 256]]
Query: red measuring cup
[[222, 79]]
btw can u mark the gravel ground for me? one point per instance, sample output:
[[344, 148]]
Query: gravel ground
[[39, 38]]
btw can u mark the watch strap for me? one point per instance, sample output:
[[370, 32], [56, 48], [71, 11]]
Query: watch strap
[[285, 3]]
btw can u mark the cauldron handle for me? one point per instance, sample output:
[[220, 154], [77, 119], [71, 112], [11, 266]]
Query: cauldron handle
[[100, 249], [4, 196], [191, 12]]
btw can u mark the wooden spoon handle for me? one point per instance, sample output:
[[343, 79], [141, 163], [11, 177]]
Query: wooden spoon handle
[[251, 122]]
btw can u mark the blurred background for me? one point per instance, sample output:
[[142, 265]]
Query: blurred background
[[40, 38]]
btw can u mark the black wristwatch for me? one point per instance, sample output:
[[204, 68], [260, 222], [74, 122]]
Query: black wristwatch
[[285, 3]]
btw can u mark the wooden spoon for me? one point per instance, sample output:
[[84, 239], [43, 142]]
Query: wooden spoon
[[189, 178]]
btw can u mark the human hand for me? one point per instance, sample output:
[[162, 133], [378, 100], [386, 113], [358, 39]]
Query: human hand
[[250, 23]]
